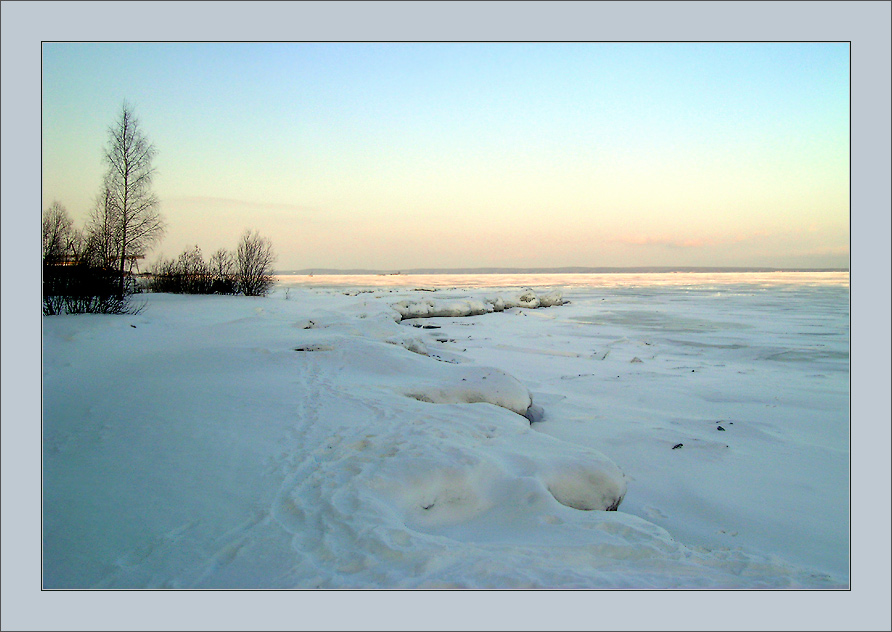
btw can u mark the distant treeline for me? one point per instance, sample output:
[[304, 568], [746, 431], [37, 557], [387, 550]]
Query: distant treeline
[[566, 270]]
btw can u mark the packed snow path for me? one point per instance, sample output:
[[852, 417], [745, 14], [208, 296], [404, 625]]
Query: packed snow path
[[317, 442]]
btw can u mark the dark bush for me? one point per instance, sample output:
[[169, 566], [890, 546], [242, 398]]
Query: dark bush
[[254, 259], [189, 274], [83, 289]]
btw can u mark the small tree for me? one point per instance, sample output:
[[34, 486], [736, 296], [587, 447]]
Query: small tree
[[164, 277], [194, 272], [222, 268], [60, 238], [103, 233], [59, 242], [253, 261]]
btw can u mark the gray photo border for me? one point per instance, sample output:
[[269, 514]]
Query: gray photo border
[[26, 24]]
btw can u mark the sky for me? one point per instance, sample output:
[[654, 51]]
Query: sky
[[410, 155]]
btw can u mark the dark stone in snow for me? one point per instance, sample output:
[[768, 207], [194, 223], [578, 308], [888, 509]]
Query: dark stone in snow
[[534, 413]]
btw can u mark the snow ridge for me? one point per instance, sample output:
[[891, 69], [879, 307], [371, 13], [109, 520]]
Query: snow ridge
[[456, 308]]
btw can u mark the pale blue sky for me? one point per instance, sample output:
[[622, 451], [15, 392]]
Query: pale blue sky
[[457, 155]]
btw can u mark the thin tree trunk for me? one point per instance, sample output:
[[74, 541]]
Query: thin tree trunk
[[124, 209]]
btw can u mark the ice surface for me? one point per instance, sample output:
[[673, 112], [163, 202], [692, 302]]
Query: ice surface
[[315, 438]]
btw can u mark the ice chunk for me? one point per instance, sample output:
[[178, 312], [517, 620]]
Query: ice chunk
[[555, 297], [431, 308], [447, 308], [526, 298]]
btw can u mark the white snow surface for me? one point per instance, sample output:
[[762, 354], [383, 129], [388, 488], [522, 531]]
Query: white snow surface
[[322, 438]]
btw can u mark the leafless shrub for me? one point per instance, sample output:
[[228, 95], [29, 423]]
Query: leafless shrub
[[223, 273], [190, 274], [253, 261]]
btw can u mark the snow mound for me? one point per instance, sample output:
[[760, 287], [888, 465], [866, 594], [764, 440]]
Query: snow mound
[[415, 344], [585, 483], [429, 308], [526, 298], [472, 472], [457, 308], [555, 297], [472, 385]]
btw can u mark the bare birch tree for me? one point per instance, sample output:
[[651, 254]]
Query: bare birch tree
[[128, 192]]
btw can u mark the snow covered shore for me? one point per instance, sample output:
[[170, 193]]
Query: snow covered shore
[[320, 438]]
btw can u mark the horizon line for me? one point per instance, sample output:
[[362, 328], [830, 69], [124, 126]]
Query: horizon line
[[554, 270]]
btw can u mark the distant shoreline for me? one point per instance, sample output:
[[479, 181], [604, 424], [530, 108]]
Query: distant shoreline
[[568, 270]]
